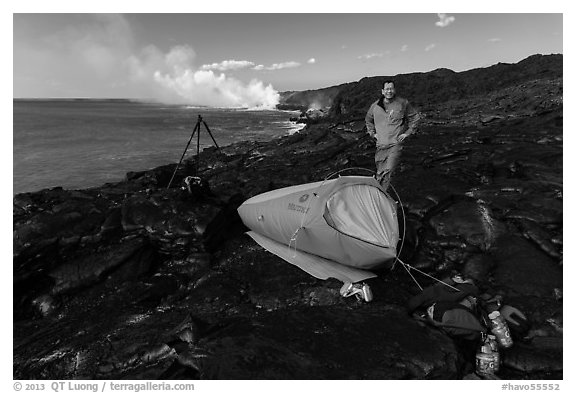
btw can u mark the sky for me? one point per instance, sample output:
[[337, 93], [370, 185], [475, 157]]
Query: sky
[[245, 59]]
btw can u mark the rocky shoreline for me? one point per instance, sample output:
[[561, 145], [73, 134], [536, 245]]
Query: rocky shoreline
[[132, 280]]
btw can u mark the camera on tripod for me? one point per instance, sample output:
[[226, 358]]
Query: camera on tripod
[[192, 181]]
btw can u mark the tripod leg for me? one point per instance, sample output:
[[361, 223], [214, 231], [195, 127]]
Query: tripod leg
[[196, 128], [211, 136], [198, 148]]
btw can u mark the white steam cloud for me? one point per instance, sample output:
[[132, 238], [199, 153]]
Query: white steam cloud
[[430, 47], [445, 20], [207, 88], [175, 79]]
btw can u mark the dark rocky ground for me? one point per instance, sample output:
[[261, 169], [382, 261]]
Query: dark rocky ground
[[135, 281]]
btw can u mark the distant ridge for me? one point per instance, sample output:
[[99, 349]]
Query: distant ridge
[[425, 88]]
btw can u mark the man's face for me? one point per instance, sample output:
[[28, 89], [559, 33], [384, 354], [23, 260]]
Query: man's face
[[389, 91]]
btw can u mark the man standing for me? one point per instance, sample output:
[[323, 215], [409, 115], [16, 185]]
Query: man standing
[[390, 120]]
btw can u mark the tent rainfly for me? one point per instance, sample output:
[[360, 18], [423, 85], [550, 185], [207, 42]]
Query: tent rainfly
[[338, 228]]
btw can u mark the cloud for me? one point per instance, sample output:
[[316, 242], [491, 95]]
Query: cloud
[[494, 40], [228, 65], [445, 20], [311, 61], [404, 48], [430, 47], [370, 56], [277, 66]]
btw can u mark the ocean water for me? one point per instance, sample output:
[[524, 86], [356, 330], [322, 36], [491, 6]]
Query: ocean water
[[78, 144]]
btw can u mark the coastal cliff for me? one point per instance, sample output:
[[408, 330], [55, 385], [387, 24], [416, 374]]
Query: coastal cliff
[[132, 280]]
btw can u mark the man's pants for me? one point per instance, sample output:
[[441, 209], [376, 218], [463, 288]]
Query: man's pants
[[386, 159]]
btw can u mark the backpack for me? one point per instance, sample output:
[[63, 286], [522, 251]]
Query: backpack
[[440, 293], [446, 311], [457, 321]]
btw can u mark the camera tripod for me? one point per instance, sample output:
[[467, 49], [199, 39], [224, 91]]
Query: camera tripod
[[197, 132]]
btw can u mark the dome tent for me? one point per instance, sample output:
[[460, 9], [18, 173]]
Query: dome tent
[[336, 228]]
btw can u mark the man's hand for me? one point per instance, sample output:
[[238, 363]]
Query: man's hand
[[401, 137]]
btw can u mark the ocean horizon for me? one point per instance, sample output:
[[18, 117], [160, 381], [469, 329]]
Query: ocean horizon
[[78, 143]]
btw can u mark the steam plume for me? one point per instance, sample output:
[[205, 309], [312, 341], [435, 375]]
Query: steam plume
[[174, 78]]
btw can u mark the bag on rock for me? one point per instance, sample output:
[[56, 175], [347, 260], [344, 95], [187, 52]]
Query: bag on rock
[[456, 320]]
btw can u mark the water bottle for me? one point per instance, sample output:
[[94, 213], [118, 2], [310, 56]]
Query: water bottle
[[485, 360], [500, 329], [494, 347], [367, 292]]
